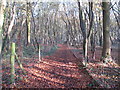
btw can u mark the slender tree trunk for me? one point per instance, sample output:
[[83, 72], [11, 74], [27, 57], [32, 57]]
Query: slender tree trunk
[[2, 8], [12, 62], [85, 45], [19, 63], [106, 51], [19, 44], [84, 33], [100, 40], [12, 21], [39, 54], [92, 40], [28, 23], [119, 38]]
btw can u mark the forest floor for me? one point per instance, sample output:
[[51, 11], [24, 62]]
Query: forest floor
[[106, 74], [59, 70]]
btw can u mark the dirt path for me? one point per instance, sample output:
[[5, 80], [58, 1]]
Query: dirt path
[[57, 71]]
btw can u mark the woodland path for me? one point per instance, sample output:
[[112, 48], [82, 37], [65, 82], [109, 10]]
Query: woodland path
[[59, 70]]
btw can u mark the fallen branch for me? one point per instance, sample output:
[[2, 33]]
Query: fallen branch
[[19, 63]]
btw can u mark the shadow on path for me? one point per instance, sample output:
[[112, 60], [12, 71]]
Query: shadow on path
[[59, 70]]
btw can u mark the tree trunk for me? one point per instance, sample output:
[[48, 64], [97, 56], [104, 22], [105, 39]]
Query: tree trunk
[[85, 46], [84, 33], [19, 63], [106, 51], [12, 21], [92, 40], [12, 62], [39, 54], [28, 23], [2, 7]]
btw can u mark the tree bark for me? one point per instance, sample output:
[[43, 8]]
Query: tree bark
[[84, 33], [106, 51], [12, 62], [12, 21], [2, 8], [28, 23]]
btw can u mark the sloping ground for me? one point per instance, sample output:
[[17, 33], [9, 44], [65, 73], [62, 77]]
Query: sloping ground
[[107, 75], [59, 70]]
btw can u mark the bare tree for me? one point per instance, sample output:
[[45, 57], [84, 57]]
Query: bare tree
[[86, 35], [2, 8], [106, 51]]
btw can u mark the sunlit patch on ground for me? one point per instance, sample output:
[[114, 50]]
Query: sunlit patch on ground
[[106, 74], [59, 70]]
